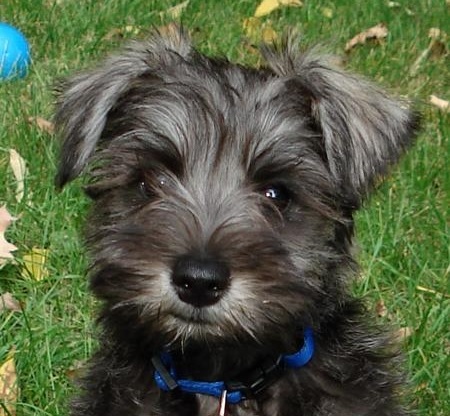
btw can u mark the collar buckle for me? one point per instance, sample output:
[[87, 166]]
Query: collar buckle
[[162, 374], [258, 379]]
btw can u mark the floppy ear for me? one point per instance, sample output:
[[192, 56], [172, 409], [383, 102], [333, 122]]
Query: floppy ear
[[85, 100], [364, 131]]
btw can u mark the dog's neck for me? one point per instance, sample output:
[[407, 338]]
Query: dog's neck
[[242, 379]]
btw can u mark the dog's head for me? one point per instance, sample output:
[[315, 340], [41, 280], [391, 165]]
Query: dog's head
[[223, 195]]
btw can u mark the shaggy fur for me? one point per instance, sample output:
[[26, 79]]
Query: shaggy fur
[[250, 177]]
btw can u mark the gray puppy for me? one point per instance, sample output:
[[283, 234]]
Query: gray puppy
[[221, 231]]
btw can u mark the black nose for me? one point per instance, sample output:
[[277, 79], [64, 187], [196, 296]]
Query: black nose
[[200, 282]]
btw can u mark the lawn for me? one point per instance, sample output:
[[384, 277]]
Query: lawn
[[403, 230]]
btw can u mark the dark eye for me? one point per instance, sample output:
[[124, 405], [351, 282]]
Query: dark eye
[[149, 186], [278, 194]]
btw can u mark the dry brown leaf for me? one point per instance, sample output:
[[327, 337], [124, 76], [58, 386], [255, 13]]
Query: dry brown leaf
[[8, 303], [443, 105], [378, 32], [403, 333], [77, 370], [19, 168], [381, 309], [436, 33], [438, 43], [268, 6], [175, 12], [42, 124], [34, 264], [435, 49], [5, 248], [9, 389]]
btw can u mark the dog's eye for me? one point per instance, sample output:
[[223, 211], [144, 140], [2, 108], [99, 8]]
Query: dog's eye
[[150, 186], [278, 194]]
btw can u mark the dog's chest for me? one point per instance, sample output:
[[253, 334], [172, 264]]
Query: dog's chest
[[211, 406]]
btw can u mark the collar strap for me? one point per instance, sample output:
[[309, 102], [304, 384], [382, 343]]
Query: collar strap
[[253, 382]]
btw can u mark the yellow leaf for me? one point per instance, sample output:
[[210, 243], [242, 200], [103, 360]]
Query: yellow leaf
[[327, 12], [252, 26], [133, 30], [9, 389], [269, 35], [5, 248], [258, 31], [34, 264], [268, 6], [175, 12], [19, 168]]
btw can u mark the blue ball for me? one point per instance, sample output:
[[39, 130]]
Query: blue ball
[[14, 53]]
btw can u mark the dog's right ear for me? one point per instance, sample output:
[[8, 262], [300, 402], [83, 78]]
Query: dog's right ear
[[85, 100]]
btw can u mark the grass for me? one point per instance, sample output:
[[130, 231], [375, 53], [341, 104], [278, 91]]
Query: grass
[[403, 230]]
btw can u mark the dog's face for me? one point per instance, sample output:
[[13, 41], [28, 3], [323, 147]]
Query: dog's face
[[223, 195]]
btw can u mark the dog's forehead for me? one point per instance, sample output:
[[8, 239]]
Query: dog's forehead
[[228, 117]]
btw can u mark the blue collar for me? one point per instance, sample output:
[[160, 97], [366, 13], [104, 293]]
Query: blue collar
[[256, 380]]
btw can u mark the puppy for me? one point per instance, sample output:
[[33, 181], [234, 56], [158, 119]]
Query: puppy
[[221, 231]]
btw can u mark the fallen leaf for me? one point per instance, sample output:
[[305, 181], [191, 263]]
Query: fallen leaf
[[378, 32], [119, 33], [327, 12], [403, 333], [443, 105], [381, 309], [8, 303], [436, 33], [435, 49], [268, 6], [42, 124], [9, 389], [438, 44], [19, 168], [257, 31], [132, 30], [115, 33], [5, 248], [34, 264], [269, 35], [77, 370], [251, 26], [175, 12]]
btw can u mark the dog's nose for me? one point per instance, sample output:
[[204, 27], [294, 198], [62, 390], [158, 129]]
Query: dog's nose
[[200, 282]]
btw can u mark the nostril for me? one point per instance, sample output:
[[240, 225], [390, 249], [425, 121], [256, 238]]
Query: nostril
[[200, 282]]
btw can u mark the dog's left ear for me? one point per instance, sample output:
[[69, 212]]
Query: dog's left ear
[[364, 131], [85, 101]]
